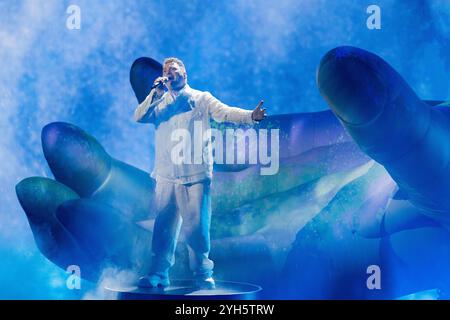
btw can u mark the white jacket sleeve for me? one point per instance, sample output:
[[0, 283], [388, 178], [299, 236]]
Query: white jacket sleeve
[[145, 112], [220, 112]]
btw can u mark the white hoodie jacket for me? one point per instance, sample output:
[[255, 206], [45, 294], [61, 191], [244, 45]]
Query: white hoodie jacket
[[189, 109]]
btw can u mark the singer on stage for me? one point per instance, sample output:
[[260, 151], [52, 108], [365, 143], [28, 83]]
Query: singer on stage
[[182, 194]]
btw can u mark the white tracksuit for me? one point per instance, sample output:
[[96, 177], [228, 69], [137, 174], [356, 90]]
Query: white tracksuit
[[183, 190]]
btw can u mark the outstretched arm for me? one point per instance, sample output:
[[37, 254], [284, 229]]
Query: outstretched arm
[[220, 112]]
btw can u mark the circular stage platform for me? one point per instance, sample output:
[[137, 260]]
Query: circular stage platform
[[185, 290]]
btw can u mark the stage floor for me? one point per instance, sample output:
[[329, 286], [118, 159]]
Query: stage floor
[[185, 290]]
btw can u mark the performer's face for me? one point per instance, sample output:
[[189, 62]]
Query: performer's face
[[174, 72]]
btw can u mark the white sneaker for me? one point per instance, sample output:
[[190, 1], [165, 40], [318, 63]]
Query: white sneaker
[[206, 283]]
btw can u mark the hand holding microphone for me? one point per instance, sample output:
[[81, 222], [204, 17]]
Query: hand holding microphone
[[160, 82], [159, 85]]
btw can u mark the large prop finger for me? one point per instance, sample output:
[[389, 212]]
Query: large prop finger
[[40, 198], [392, 125], [79, 161]]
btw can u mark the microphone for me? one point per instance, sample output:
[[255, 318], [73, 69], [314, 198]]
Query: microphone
[[162, 81]]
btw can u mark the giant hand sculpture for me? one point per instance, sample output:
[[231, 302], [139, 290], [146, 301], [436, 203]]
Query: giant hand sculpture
[[409, 138], [310, 231]]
